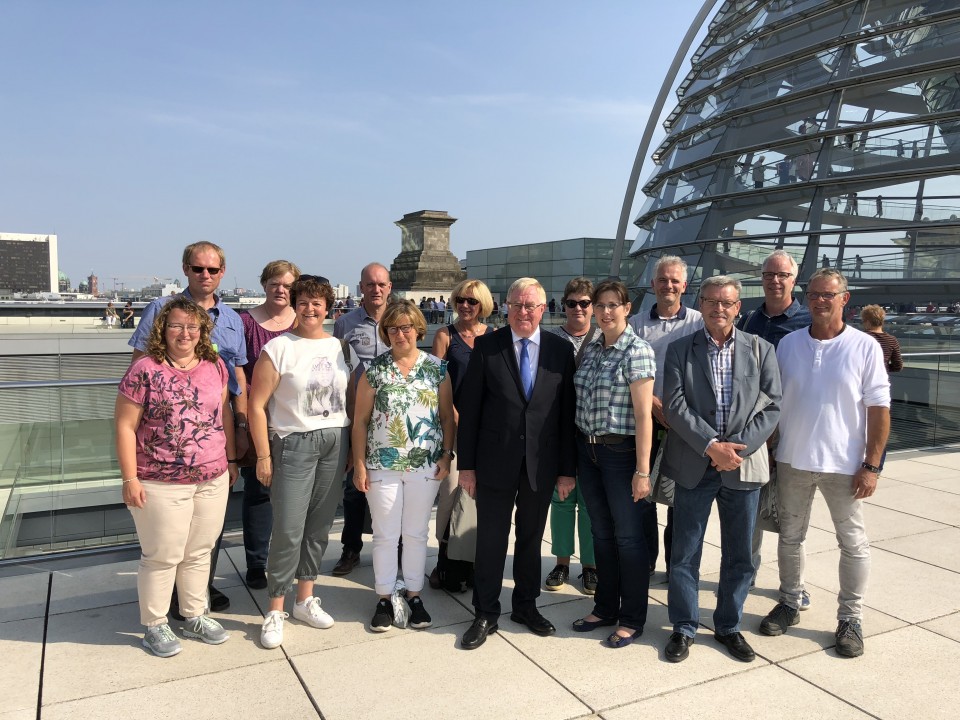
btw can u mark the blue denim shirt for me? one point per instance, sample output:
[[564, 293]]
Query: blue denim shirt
[[773, 329]]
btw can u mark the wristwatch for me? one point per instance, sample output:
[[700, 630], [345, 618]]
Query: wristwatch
[[871, 468], [242, 425], [451, 453]]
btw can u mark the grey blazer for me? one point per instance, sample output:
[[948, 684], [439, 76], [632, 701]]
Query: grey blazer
[[690, 406]]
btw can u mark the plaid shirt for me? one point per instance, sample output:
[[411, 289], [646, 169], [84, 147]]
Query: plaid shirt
[[721, 369], [604, 406]]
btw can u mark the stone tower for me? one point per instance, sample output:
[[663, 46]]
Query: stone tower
[[425, 265]]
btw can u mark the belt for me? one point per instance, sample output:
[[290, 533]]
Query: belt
[[605, 439]]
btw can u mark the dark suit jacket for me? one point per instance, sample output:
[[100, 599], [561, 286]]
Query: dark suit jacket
[[690, 406], [499, 427]]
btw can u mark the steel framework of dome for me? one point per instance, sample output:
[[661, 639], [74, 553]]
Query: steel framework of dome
[[828, 128]]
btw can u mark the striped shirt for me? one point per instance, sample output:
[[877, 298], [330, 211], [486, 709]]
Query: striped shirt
[[721, 370], [892, 360], [604, 405]]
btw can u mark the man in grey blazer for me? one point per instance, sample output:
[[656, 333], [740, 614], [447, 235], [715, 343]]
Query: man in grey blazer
[[721, 397]]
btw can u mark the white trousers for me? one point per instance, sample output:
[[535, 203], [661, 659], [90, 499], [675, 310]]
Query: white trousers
[[400, 506]]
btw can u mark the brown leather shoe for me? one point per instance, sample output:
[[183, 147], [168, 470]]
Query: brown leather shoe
[[347, 562]]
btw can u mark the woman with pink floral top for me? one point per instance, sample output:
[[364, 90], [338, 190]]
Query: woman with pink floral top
[[174, 433]]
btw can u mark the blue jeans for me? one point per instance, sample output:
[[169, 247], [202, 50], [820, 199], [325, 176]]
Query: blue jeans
[[691, 510], [257, 519], [605, 473]]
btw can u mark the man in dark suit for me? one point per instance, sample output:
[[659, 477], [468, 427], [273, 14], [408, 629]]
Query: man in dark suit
[[516, 442], [721, 396]]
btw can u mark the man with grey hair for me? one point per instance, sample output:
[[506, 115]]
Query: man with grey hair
[[779, 315], [359, 327], [667, 320], [721, 393], [835, 423], [516, 439]]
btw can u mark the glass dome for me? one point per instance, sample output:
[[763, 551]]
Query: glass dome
[[826, 128]]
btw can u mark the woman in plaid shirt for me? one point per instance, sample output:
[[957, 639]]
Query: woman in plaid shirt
[[614, 386]]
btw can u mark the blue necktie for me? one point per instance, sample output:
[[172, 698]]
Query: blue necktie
[[526, 376]]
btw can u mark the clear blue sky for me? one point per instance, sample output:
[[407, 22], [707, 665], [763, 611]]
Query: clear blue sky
[[303, 130]]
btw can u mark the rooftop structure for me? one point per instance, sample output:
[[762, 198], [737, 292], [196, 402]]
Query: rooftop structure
[[28, 263], [828, 128]]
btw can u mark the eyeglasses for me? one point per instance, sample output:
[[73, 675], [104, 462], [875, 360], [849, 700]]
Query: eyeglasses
[[394, 329], [472, 302], [822, 295], [582, 304], [777, 275], [527, 307], [177, 327], [198, 269], [725, 304], [607, 306]]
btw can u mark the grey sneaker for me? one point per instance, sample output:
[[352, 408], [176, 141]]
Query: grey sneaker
[[849, 639], [779, 619], [161, 641], [207, 629], [804, 600]]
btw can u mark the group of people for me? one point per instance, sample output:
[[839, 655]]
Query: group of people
[[499, 427]]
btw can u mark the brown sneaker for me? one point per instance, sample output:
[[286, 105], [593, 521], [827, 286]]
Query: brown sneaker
[[347, 562]]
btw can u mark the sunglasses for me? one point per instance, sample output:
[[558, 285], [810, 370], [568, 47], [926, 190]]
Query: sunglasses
[[582, 304], [198, 269], [472, 302]]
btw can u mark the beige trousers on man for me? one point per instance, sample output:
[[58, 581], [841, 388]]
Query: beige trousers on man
[[177, 526]]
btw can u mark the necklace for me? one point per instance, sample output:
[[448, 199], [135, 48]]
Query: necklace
[[406, 366], [184, 366]]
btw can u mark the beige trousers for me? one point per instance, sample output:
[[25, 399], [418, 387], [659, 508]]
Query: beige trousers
[[177, 526]]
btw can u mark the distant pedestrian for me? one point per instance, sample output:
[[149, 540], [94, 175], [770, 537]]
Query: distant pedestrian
[[126, 319], [110, 315], [857, 265], [879, 206], [900, 148], [824, 261], [757, 172], [852, 208]]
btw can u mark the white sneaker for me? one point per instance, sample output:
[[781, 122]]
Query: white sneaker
[[271, 634], [311, 613]]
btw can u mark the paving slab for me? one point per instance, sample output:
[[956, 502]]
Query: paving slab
[[888, 681], [921, 501], [98, 651], [939, 548], [23, 596], [115, 584], [279, 695], [736, 696], [899, 586], [948, 626], [21, 646], [605, 678], [414, 670], [914, 472]]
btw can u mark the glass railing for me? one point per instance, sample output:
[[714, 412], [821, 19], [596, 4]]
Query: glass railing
[[60, 481]]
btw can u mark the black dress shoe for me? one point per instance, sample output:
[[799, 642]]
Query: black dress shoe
[[347, 562], [537, 623], [738, 647], [477, 633], [256, 578], [679, 647]]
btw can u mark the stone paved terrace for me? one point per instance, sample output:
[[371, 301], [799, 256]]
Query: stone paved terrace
[[70, 641]]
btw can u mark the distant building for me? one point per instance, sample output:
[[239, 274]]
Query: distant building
[[28, 263], [63, 282], [553, 263], [92, 286]]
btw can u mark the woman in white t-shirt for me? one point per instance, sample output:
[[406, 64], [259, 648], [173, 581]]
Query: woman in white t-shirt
[[302, 383]]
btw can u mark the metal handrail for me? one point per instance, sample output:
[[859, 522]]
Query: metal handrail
[[19, 384]]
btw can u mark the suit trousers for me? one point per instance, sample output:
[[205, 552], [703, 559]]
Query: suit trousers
[[495, 507], [257, 519], [177, 527]]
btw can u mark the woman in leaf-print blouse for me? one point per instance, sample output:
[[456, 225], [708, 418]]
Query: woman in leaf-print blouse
[[403, 436]]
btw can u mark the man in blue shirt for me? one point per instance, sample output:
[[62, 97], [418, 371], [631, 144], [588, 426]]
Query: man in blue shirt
[[204, 265], [360, 328], [779, 315]]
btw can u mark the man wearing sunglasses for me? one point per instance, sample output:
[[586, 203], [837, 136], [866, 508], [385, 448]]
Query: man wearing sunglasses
[[668, 320], [204, 265]]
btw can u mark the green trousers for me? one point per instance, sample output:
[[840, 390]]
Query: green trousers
[[563, 518]]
